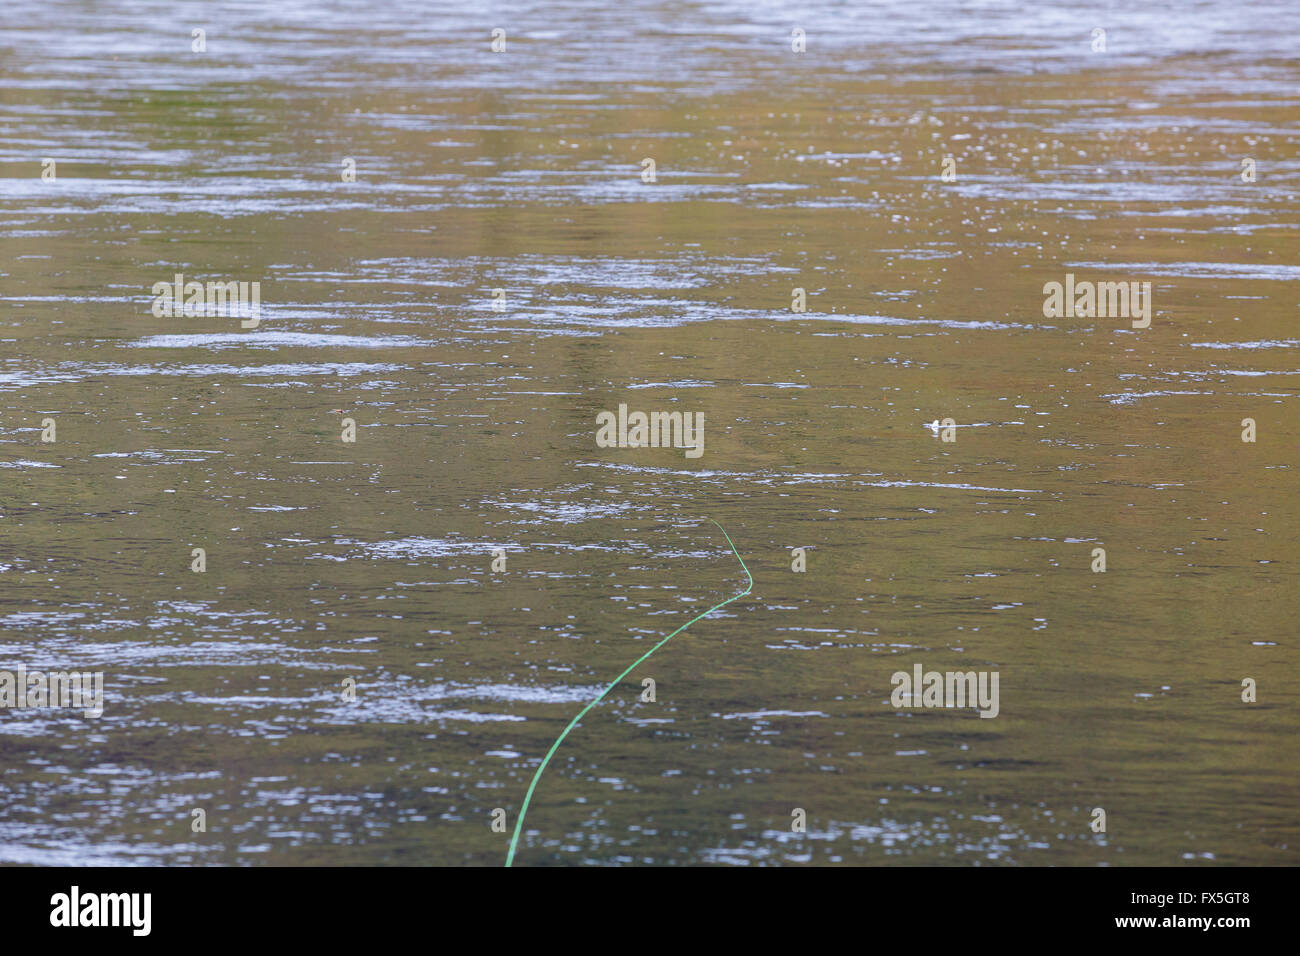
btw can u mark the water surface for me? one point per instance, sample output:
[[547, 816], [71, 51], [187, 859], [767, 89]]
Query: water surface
[[475, 431]]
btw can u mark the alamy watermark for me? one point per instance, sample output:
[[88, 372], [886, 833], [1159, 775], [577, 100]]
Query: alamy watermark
[[655, 430], [1098, 300], [181, 298], [82, 691], [75, 908], [947, 689]]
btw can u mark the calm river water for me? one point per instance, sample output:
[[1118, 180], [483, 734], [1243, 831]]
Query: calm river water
[[370, 563]]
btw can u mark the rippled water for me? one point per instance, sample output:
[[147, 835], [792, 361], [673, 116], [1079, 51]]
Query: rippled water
[[475, 431]]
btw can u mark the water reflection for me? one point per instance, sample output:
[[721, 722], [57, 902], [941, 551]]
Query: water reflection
[[372, 562]]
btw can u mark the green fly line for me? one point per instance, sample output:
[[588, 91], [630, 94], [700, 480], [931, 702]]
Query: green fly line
[[519, 824]]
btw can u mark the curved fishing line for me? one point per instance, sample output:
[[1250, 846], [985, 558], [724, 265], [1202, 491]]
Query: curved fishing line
[[519, 824]]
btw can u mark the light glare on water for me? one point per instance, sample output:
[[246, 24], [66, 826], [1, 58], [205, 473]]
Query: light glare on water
[[372, 561]]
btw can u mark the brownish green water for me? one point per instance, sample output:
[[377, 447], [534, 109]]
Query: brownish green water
[[475, 430]]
